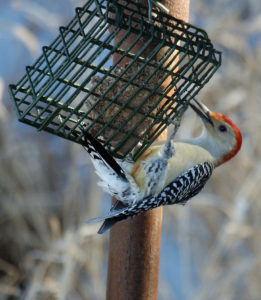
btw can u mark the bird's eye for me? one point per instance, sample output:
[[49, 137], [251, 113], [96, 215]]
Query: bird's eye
[[222, 128]]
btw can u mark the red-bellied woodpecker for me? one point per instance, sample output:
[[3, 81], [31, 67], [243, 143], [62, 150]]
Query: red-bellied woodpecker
[[166, 174]]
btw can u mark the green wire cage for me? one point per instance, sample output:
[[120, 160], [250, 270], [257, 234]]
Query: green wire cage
[[94, 74]]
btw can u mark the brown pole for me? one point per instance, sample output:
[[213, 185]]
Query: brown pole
[[134, 251]]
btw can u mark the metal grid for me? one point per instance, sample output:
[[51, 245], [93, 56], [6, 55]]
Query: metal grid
[[125, 103]]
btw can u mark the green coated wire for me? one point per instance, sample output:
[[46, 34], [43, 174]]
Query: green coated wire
[[52, 95]]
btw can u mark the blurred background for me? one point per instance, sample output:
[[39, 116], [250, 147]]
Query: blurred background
[[210, 249]]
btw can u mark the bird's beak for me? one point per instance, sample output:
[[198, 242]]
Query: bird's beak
[[202, 111]]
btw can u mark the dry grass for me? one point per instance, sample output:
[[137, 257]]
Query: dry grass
[[47, 189]]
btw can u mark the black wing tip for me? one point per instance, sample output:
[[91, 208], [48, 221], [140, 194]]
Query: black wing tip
[[107, 224]]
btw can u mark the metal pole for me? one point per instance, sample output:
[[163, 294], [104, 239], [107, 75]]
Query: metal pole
[[134, 251]]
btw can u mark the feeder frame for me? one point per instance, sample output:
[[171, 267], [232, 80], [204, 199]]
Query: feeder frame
[[53, 93]]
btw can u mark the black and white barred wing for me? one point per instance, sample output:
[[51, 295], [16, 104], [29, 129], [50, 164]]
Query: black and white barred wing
[[179, 191], [186, 186]]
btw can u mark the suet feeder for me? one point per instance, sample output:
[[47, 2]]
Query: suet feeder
[[90, 75]]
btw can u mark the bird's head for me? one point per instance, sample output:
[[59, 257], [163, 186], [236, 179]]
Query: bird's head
[[221, 135]]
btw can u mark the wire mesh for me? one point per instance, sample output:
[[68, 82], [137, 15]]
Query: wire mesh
[[124, 96]]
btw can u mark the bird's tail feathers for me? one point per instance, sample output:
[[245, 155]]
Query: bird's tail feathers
[[98, 152]]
